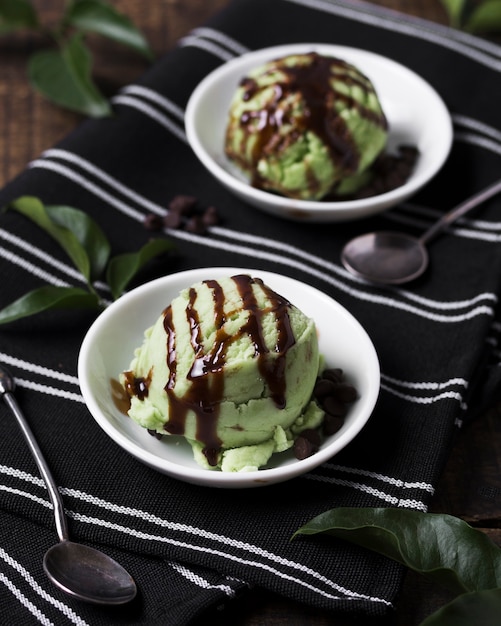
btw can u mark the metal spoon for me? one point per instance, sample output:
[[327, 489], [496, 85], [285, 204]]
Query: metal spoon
[[79, 570], [394, 258]]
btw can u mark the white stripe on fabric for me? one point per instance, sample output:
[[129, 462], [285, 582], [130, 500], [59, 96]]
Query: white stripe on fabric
[[475, 140], [27, 495], [35, 611], [397, 482], [347, 594], [446, 39], [21, 475], [477, 232], [446, 395], [46, 258], [206, 46], [365, 296], [278, 258], [156, 97], [434, 386], [336, 269], [222, 38], [50, 391], [411, 504], [197, 580], [7, 359], [136, 103], [88, 186], [15, 259], [477, 125], [249, 238], [471, 234], [66, 610], [466, 227], [77, 397], [420, 24], [213, 537], [106, 178], [200, 532], [376, 493], [481, 224], [40, 254]]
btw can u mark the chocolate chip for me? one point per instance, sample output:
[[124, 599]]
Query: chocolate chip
[[210, 216], [333, 394], [334, 373], [303, 448], [331, 424], [183, 204], [155, 434], [393, 181], [312, 435], [408, 153], [185, 214], [195, 225], [153, 222], [173, 220], [389, 171], [323, 388], [333, 406], [345, 393]]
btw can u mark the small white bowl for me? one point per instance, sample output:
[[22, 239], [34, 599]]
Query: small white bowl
[[416, 115], [109, 345]]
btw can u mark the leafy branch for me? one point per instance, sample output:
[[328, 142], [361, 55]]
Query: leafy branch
[[63, 73], [89, 250], [479, 17], [441, 547]]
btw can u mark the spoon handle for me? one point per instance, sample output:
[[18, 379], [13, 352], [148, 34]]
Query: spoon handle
[[57, 501], [460, 210]]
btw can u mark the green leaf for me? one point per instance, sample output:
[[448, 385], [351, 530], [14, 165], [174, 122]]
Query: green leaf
[[46, 298], [100, 17], [88, 233], [123, 268], [485, 18], [480, 607], [442, 547], [454, 9], [64, 76], [16, 15], [33, 208]]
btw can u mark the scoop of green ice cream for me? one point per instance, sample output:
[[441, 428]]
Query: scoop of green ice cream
[[231, 366], [306, 126]]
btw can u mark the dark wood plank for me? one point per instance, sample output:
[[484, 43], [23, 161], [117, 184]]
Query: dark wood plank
[[30, 124]]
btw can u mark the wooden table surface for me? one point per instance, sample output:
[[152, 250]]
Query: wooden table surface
[[471, 484]]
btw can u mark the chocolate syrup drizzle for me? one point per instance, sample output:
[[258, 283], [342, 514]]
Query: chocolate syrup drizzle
[[313, 81], [137, 386], [206, 374]]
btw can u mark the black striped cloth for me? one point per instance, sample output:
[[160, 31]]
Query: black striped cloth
[[189, 547]]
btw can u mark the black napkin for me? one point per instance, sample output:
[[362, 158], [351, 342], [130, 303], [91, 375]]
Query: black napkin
[[192, 547]]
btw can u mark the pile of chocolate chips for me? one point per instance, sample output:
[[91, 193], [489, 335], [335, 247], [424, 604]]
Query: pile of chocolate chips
[[184, 214], [389, 171], [333, 393]]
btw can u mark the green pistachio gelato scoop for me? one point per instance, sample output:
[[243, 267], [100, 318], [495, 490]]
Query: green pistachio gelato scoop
[[231, 366], [306, 126]]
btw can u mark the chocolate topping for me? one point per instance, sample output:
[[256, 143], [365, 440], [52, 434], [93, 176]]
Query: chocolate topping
[[206, 374], [314, 83], [137, 386], [120, 397]]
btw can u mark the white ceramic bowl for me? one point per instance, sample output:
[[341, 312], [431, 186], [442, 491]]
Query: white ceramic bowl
[[416, 114], [110, 342]]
